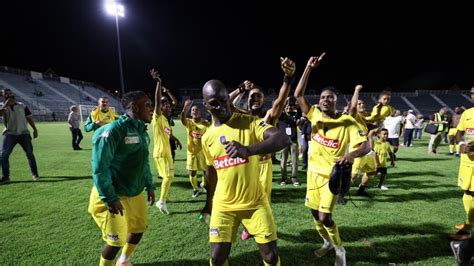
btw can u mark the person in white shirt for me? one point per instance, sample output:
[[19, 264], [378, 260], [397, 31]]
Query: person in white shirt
[[393, 124], [409, 128], [418, 126]]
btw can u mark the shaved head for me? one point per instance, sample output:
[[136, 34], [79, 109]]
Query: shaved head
[[216, 100], [213, 87]]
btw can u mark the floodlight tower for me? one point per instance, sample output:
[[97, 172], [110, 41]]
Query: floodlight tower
[[116, 9]]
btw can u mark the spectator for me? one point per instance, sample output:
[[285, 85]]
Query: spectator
[[418, 126], [439, 119], [15, 118], [409, 128], [288, 124], [74, 120], [453, 124], [393, 124], [305, 129]]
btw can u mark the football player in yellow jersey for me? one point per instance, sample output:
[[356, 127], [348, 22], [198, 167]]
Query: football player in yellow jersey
[[255, 104], [161, 143], [195, 128], [465, 140], [101, 115], [381, 110], [331, 135], [232, 145], [382, 150], [364, 165]]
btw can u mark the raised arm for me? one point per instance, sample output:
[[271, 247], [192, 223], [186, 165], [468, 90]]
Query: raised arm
[[313, 62], [288, 68], [354, 100], [236, 95], [185, 111], [156, 76], [174, 101]]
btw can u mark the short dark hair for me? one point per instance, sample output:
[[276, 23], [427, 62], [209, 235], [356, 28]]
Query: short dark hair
[[384, 129], [131, 97], [332, 89]]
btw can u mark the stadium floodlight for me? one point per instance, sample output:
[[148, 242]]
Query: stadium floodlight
[[118, 10], [115, 9]]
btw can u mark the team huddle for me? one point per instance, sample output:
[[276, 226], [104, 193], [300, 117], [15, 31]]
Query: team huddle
[[228, 150]]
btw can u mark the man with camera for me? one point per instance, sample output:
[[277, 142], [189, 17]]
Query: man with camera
[[16, 117]]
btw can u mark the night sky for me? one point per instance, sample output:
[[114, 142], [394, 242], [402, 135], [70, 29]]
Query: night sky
[[192, 41]]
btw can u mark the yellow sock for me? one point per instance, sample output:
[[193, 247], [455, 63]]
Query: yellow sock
[[333, 233], [451, 148], [194, 181], [226, 263], [321, 229], [127, 252], [165, 187], [268, 264], [104, 262], [458, 148]]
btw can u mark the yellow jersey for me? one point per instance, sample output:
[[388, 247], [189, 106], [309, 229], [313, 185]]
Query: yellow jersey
[[361, 122], [330, 139], [383, 151], [161, 136], [195, 131], [466, 124], [238, 185], [106, 117], [378, 118]]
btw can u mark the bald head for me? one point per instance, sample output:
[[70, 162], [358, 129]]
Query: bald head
[[212, 88], [216, 99]]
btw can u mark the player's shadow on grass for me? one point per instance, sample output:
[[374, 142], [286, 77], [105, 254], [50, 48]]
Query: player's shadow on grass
[[401, 175], [413, 243], [428, 196], [185, 212], [412, 184], [289, 193], [423, 159], [50, 179], [176, 263], [10, 216]]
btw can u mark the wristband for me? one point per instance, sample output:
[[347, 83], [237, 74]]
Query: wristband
[[289, 80], [461, 143]]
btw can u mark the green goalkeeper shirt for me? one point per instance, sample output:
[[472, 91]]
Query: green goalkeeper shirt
[[120, 164]]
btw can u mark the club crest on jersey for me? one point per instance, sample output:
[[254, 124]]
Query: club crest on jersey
[[222, 139], [225, 161], [262, 123], [470, 131], [214, 231], [327, 142], [361, 133], [195, 135], [167, 131], [105, 134], [113, 237]]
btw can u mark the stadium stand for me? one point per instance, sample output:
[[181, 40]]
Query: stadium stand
[[46, 94], [49, 97]]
